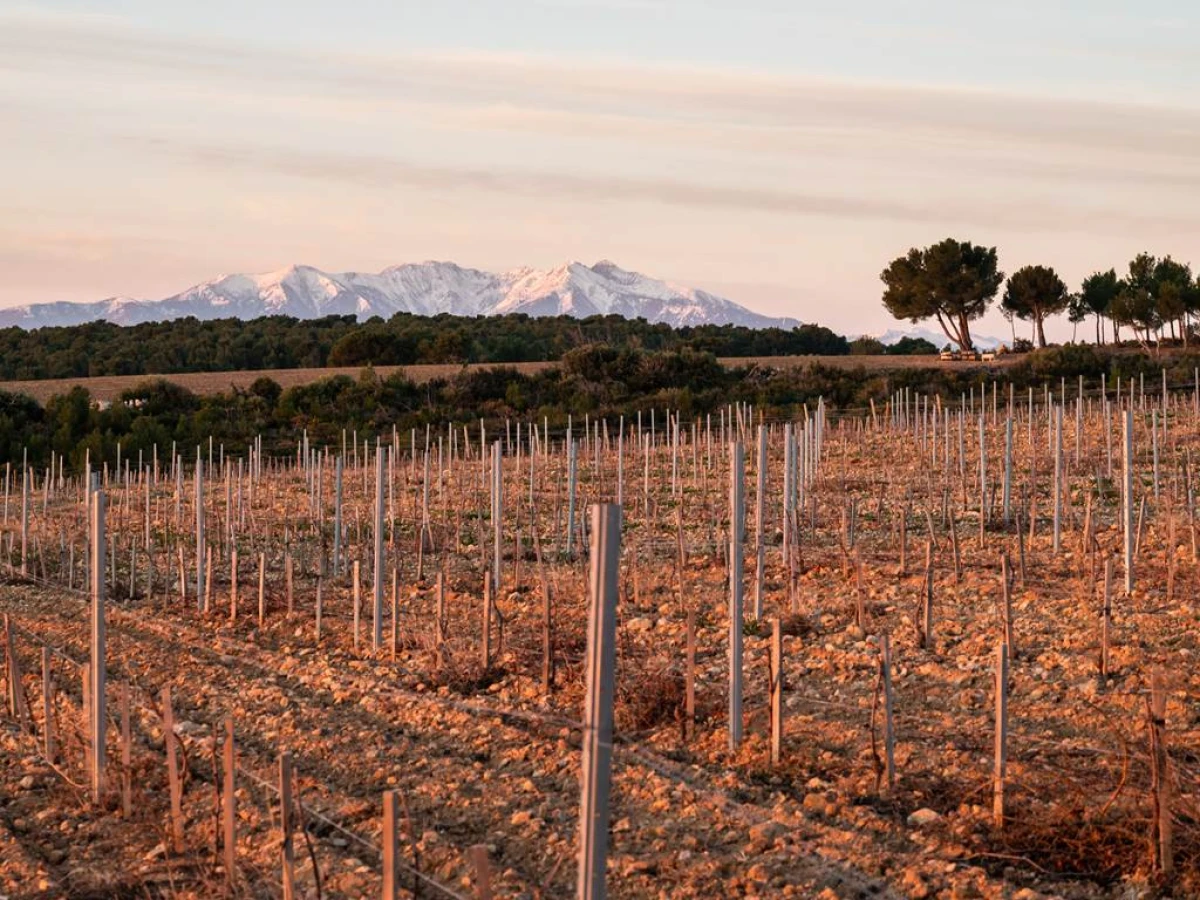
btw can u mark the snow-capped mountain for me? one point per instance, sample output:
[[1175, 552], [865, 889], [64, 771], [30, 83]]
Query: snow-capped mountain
[[936, 337], [425, 288]]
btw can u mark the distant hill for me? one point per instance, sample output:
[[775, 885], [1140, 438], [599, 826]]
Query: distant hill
[[937, 338]]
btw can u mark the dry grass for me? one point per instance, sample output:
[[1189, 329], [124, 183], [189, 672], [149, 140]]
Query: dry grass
[[109, 387], [870, 363]]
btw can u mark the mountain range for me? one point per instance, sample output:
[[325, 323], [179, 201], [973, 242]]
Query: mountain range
[[426, 289], [936, 337]]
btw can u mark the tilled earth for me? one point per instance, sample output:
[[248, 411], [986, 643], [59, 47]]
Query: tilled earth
[[488, 757], [495, 762]]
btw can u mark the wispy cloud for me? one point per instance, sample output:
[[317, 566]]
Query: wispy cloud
[[664, 94], [379, 172]]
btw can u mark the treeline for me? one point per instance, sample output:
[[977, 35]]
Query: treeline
[[955, 282], [599, 380], [282, 342]]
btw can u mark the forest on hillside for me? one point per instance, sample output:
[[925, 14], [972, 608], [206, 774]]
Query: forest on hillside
[[282, 342]]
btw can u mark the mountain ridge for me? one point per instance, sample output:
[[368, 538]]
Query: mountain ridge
[[425, 288], [937, 338]]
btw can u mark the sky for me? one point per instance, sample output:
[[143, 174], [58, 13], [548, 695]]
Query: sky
[[777, 152]]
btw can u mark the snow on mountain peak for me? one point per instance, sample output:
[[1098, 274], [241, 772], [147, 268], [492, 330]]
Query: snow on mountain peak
[[425, 288], [937, 338]]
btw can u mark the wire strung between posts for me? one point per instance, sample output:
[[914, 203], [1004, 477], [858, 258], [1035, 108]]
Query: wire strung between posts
[[354, 836], [449, 892]]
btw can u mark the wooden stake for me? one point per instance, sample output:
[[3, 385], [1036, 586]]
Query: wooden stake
[[1106, 622], [439, 624], [354, 578], [889, 733], [233, 584], [126, 755], [776, 687], [1156, 713], [18, 705], [208, 579], [1127, 497], [927, 600], [483, 872], [286, 808], [169, 741], [395, 636], [760, 503], [736, 539], [1000, 763], [85, 707], [381, 454], [485, 625], [48, 707], [955, 549], [596, 768], [1171, 541], [287, 573], [262, 588], [98, 716], [391, 846], [690, 684], [229, 807], [1006, 586], [1021, 555]]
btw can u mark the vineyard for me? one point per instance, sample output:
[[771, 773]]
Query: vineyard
[[935, 647]]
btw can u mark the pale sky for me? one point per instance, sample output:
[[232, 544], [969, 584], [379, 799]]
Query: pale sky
[[777, 152]]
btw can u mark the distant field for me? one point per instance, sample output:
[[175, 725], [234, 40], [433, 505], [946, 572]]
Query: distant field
[[109, 387], [870, 363]]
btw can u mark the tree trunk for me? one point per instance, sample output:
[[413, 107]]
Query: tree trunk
[[1041, 332], [951, 337], [964, 333], [1099, 337], [1142, 337]]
